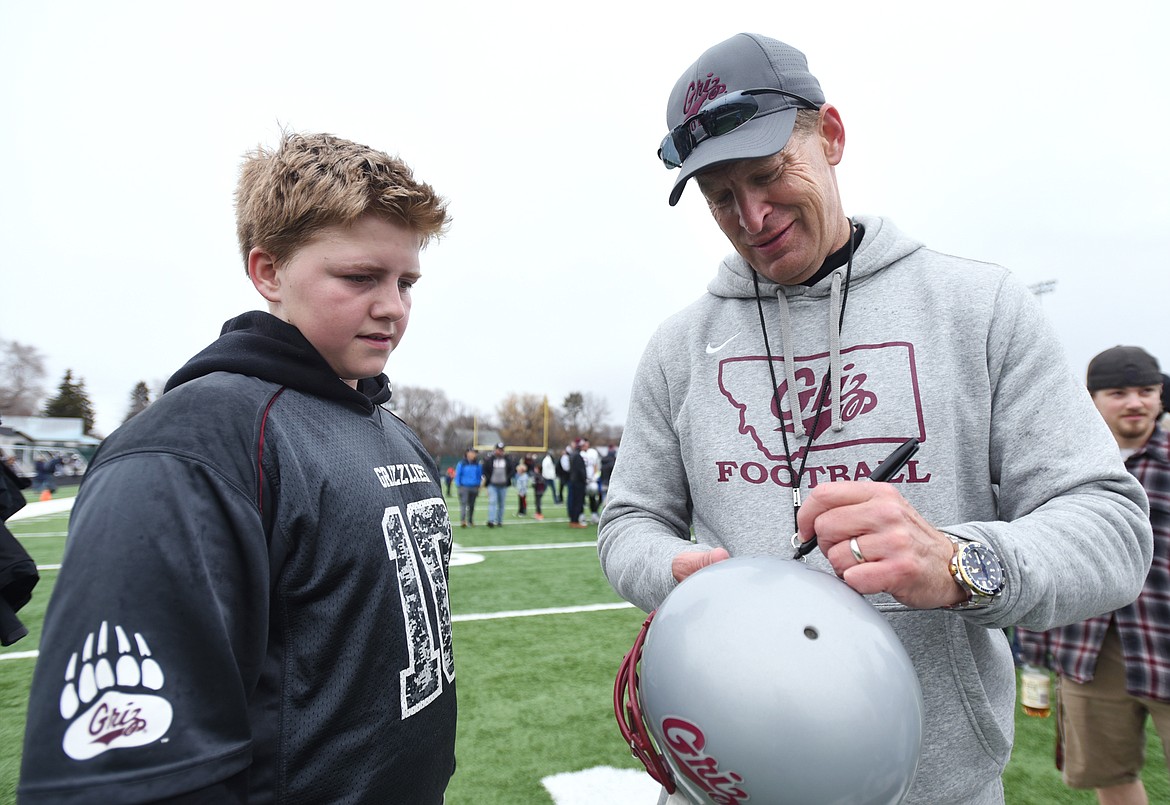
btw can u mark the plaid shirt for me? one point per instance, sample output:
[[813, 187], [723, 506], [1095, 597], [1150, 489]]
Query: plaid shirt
[[1144, 625]]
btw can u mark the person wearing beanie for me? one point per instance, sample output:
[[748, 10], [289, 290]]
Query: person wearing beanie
[[825, 341], [1114, 669], [1126, 386], [1165, 417]]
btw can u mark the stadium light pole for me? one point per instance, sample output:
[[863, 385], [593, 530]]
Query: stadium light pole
[[1041, 288]]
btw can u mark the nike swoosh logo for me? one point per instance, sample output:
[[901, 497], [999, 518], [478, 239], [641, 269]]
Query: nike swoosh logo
[[712, 350]]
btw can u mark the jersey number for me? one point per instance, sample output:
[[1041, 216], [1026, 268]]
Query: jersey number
[[421, 535]]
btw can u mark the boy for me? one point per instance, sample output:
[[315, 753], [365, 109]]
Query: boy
[[253, 600], [520, 481]]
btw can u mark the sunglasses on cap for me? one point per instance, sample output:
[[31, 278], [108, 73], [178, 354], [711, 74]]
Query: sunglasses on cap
[[722, 116]]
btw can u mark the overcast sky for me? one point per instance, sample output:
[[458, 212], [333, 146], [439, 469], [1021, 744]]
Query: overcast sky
[[1031, 134]]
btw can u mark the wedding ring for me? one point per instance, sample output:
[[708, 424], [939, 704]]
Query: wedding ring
[[856, 551]]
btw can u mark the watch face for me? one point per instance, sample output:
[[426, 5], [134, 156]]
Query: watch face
[[981, 568]]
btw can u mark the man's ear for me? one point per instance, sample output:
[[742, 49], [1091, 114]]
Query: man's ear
[[262, 270], [832, 133]]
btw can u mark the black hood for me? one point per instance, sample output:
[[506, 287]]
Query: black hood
[[260, 345]]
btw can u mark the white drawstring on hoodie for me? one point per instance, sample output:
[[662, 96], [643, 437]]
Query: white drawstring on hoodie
[[834, 378]]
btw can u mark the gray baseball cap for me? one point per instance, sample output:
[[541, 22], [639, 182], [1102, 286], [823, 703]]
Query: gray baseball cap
[[743, 62]]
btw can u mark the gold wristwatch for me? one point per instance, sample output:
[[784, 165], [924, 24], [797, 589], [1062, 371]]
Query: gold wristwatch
[[976, 568]]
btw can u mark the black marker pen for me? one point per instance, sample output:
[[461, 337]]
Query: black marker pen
[[890, 466]]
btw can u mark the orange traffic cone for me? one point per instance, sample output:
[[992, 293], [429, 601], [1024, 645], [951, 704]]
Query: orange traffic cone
[[46, 495]]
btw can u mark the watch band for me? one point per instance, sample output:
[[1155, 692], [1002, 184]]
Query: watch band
[[976, 599]]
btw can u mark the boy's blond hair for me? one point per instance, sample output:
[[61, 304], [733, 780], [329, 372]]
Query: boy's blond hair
[[312, 181]]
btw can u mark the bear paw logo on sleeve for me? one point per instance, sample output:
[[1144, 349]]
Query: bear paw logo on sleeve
[[111, 702]]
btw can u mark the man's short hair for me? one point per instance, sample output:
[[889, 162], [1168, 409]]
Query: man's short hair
[[807, 122], [309, 182]]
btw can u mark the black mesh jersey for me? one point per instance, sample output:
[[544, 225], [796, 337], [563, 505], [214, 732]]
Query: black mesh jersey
[[254, 589]]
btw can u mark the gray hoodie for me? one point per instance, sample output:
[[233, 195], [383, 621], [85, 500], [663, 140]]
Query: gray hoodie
[[953, 352]]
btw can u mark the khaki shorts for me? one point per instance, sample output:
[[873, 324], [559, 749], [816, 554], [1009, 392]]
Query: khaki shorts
[[1102, 728]]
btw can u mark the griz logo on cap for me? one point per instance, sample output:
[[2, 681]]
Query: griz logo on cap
[[698, 94]]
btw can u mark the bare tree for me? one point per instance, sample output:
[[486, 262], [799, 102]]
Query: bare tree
[[522, 419], [21, 369], [428, 412], [456, 438], [594, 413], [571, 414], [585, 414], [559, 433]]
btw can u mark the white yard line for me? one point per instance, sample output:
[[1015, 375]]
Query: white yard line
[[56, 506], [536, 547], [42, 508], [20, 655], [599, 786], [458, 549], [479, 616], [527, 613]]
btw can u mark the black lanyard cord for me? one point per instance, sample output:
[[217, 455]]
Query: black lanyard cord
[[823, 393]]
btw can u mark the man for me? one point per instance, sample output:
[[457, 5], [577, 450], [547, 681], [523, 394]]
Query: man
[[45, 480], [562, 470], [18, 572], [498, 469], [253, 602], [548, 469], [578, 476], [1165, 417], [607, 462], [539, 486], [822, 344], [592, 460], [1114, 669], [468, 479]]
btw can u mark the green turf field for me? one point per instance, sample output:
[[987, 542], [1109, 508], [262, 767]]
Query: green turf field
[[535, 690]]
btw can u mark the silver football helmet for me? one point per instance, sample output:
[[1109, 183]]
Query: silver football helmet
[[762, 680]]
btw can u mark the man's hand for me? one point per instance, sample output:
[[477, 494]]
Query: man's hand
[[687, 563], [905, 556]]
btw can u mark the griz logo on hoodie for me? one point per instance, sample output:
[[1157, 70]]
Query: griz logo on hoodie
[[878, 382]]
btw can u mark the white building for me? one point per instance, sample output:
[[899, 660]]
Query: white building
[[29, 437]]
